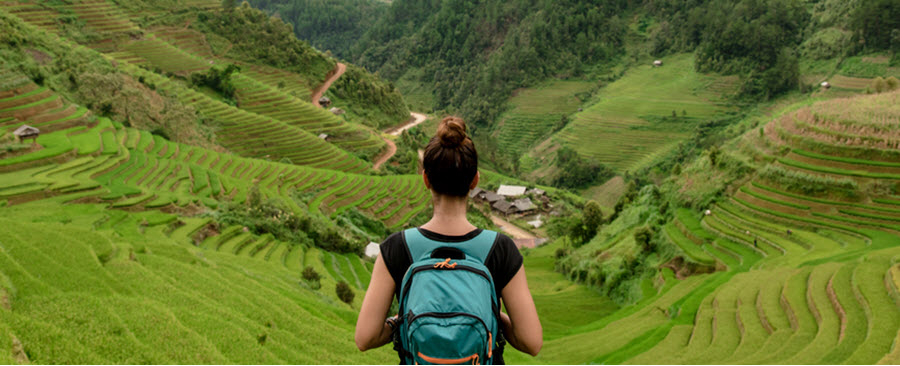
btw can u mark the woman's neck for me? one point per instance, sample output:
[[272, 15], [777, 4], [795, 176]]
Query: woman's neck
[[449, 216]]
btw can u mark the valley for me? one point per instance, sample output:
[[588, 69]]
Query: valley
[[182, 196]]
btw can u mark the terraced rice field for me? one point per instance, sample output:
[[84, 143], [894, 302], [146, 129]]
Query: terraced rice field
[[260, 98], [138, 169], [101, 261], [145, 284], [625, 127], [800, 277], [134, 290], [104, 20], [253, 135], [537, 111], [24, 102], [285, 81], [274, 119]]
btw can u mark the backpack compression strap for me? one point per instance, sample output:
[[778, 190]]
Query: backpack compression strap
[[421, 247]]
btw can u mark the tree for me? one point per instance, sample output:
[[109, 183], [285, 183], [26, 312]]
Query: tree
[[714, 155], [642, 237], [344, 292], [593, 218], [228, 5]]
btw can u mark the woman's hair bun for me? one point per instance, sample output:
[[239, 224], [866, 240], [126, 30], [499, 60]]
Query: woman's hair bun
[[451, 132]]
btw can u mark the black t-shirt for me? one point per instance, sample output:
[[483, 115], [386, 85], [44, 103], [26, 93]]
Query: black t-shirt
[[503, 260]]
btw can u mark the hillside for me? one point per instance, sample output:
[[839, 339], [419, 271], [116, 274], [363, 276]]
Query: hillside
[[168, 207], [187, 202], [795, 264]]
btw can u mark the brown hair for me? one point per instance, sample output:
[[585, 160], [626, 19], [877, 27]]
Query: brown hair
[[450, 160]]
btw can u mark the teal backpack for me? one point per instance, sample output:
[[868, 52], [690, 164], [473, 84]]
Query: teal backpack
[[449, 310]]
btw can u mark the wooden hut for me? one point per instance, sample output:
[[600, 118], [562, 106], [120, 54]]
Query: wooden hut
[[511, 191], [504, 207], [524, 206], [477, 194], [27, 132], [492, 197], [324, 102]]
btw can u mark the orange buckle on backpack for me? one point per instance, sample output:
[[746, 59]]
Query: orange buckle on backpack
[[445, 264], [447, 361]]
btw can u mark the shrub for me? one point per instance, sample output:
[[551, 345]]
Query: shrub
[[891, 83], [878, 85], [642, 237], [310, 274], [344, 292], [560, 252], [311, 277]]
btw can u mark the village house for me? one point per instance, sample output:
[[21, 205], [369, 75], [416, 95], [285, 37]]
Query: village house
[[27, 132], [504, 207], [492, 197], [477, 194], [525, 206], [511, 191]]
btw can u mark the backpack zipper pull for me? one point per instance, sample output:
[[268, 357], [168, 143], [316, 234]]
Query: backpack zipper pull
[[445, 264]]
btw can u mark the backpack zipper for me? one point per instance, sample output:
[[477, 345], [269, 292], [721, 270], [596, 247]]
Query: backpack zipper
[[429, 266], [490, 340]]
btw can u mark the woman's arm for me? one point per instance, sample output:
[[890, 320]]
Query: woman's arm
[[521, 327], [371, 329]]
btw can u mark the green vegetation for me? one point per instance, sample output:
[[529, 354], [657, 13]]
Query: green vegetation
[[180, 205], [497, 47], [328, 25]]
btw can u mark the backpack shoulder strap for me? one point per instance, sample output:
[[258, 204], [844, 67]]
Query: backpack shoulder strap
[[421, 247]]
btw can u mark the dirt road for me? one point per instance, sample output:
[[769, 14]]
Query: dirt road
[[513, 230], [391, 150], [335, 74], [415, 120]]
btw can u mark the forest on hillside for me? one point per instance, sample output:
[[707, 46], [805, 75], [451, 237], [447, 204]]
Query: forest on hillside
[[475, 54]]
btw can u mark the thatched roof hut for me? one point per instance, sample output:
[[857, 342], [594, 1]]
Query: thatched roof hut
[[324, 101], [27, 132]]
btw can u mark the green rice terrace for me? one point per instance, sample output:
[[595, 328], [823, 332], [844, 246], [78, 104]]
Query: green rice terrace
[[127, 244], [644, 114]]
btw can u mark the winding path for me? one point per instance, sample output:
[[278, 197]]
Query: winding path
[[333, 75], [415, 120]]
